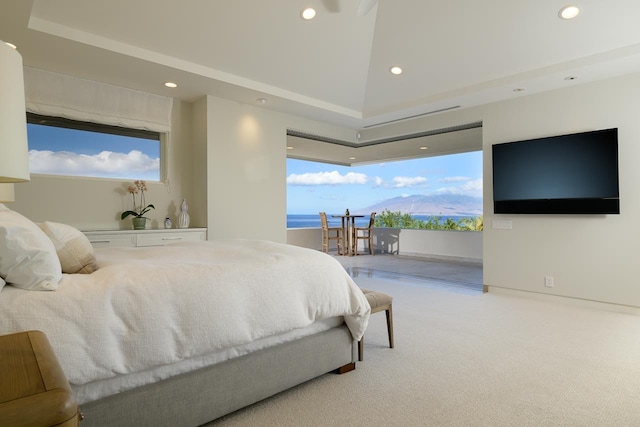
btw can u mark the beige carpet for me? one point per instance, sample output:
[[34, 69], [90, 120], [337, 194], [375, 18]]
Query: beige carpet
[[474, 360]]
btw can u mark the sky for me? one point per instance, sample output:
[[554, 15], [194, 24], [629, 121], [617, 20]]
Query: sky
[[61, 151], [320, 187], [311, 187]]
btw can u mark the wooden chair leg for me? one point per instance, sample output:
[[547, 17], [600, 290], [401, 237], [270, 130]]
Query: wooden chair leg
[[389, 314], [354, 243], [361, 349]]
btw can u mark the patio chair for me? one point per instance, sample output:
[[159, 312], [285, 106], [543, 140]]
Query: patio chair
[[367, 235], [331, 233]]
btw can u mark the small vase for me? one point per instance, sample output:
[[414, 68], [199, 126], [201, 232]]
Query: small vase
[[139, 223], [183, 218]]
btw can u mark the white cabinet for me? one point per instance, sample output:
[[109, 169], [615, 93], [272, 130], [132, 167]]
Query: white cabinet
[[101, 239], [119, 238]]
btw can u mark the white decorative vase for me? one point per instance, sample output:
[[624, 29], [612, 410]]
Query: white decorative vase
[[183, 218]]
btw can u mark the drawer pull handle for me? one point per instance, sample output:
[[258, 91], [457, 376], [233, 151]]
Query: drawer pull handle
[[101, 241], [172, 238]]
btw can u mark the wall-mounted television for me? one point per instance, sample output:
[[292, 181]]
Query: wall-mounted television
[[565, 174]]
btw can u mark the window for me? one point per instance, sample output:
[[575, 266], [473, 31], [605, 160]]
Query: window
[[440, 192], [59, 146]]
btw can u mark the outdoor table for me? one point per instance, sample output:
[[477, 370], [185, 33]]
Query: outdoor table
[[348, 225]]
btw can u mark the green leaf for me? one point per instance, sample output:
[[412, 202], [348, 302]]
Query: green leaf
[[127, 213]]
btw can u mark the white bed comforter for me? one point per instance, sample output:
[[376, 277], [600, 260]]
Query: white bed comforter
[[148, 307]]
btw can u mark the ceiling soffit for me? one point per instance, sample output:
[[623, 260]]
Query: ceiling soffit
[[450, 140]]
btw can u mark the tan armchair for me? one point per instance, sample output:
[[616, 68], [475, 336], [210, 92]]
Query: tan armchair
[[331, 233]]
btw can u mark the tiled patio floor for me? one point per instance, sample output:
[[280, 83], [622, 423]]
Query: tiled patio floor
[[456, 275]]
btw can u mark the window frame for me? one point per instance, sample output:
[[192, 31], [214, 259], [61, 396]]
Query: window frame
[[62, 122]]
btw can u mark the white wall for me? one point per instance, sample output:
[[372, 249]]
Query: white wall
[[591, 257], [246, 172], [198, 167]]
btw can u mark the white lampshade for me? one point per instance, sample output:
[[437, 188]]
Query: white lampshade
[[14, 151], [6, 193]]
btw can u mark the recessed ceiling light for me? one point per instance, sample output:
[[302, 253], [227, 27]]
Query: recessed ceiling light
[[569, 12], [289, 148], [395, 70], [11, 45], [423, 148], [308, 13], [352, 158], [171, 85], [261, 101]]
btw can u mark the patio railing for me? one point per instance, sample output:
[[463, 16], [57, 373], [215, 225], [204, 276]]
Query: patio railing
[[448, 245]]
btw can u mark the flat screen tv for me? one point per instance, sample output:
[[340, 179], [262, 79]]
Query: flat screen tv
[[566, 174]]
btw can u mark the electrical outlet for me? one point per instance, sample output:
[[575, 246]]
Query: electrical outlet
[[548, 281]]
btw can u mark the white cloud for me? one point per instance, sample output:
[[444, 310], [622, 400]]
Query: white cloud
[[407, 181], [104, 164], [378, 182], [327, 178], [454, 179], [469, 188]]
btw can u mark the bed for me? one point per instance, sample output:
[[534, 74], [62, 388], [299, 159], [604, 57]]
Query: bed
[[185, 333]]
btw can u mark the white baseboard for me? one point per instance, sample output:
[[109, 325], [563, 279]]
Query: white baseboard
[[618, 308]]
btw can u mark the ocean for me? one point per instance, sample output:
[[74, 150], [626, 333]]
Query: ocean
[[313, 220]]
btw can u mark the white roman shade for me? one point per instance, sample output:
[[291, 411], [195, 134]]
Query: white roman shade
[[60, 95]]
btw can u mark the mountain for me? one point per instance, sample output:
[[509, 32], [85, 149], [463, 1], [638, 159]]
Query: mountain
[[444, 204]]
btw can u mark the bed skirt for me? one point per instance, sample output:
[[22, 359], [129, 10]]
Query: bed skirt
[[197, 397]]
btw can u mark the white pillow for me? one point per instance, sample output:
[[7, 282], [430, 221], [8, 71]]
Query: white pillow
[[74, 249], [28, 258]]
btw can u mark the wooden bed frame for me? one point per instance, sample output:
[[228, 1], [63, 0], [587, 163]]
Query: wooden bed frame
[[197, 397]]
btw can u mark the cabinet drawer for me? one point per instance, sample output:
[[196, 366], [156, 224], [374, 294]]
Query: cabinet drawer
[[112, 240], [161, 239]]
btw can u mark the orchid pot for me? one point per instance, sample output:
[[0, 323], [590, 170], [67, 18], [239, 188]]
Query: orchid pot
[[139, 223]]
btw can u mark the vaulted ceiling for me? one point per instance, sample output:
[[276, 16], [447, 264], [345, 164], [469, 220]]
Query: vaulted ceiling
[[335, 67]]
